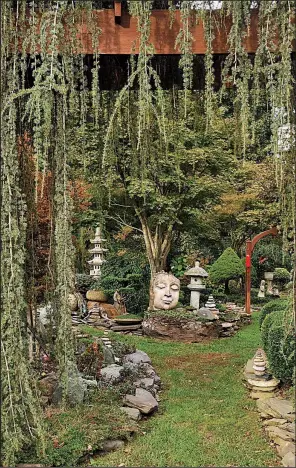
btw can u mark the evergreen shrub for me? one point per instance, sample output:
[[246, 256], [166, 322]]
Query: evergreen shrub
[[129, 274], [279, 345], [228, 266], [272, 306], [85, 282]]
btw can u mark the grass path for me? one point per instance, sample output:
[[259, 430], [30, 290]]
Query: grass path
[[205, 417]]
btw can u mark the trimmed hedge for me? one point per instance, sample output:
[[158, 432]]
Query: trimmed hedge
[[279, 346], [272, 306]]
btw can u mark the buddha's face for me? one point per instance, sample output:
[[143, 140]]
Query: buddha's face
[[166, 289]]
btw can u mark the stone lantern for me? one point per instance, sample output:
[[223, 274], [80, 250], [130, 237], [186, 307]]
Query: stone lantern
[[98, 254], [196, 275]]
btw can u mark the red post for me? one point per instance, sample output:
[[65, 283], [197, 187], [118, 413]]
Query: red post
[[250, 244]]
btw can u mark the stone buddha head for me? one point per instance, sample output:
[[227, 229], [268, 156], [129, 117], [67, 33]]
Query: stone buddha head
[[166, 289]]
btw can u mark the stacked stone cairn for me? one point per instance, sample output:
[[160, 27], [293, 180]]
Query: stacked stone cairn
[[278, 414], [210, 304], [259, 364]]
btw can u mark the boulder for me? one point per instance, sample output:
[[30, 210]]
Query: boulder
[[289, 460], [137, 358], [98, 296], [289, 427], [206, 313], [112, 374], [72, 302], [76, 387], [48, 384], [146, 383], [132, 413], [110, 445], [180, 329], [143, 401]]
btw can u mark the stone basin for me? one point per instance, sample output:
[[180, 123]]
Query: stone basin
[[128, 321]]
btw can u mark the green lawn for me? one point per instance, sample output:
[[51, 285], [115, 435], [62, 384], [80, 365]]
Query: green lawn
[[205, 417]]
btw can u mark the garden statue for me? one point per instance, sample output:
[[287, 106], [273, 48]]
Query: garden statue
[[98, 254], [261, 292], [196, 274], [119, 303], [166, 289]]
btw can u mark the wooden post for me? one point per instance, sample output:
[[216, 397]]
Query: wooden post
[[117, 10], [250, 244]]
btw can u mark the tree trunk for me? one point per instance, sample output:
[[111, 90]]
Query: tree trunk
[[227, 287], [157, 247]]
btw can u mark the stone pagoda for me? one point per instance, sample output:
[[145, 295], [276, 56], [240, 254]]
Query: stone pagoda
[[196, 275], [98, 254]]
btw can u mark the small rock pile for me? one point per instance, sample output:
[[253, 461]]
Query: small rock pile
[[144, 399], [278, 414]]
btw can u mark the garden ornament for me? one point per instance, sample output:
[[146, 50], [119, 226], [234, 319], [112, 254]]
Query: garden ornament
[[166, 289]]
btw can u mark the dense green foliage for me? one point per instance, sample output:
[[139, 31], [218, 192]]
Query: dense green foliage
[[272, 306], [281, 276], [226, 267], [128, 273], [279, 345]]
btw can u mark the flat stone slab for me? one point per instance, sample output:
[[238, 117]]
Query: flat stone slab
[[132, 413], [274, 422], [275, 431], [284, 447], [226, 325], [283, 408], [289, 460], [128, 321], [125, 327], [258, 395], [137, 358], [263, 385], [277, 408], [143, 401]]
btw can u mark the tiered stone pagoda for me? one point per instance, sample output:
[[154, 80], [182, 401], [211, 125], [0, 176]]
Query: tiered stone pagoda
[[98, 254]]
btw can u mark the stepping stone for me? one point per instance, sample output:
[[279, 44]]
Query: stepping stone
[[258, 395]]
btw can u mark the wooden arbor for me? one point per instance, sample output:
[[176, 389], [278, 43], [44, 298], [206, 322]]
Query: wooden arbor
[[250, 244]]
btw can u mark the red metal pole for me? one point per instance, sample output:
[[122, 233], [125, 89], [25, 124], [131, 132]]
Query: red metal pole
[[248, 275], [250, 244]]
